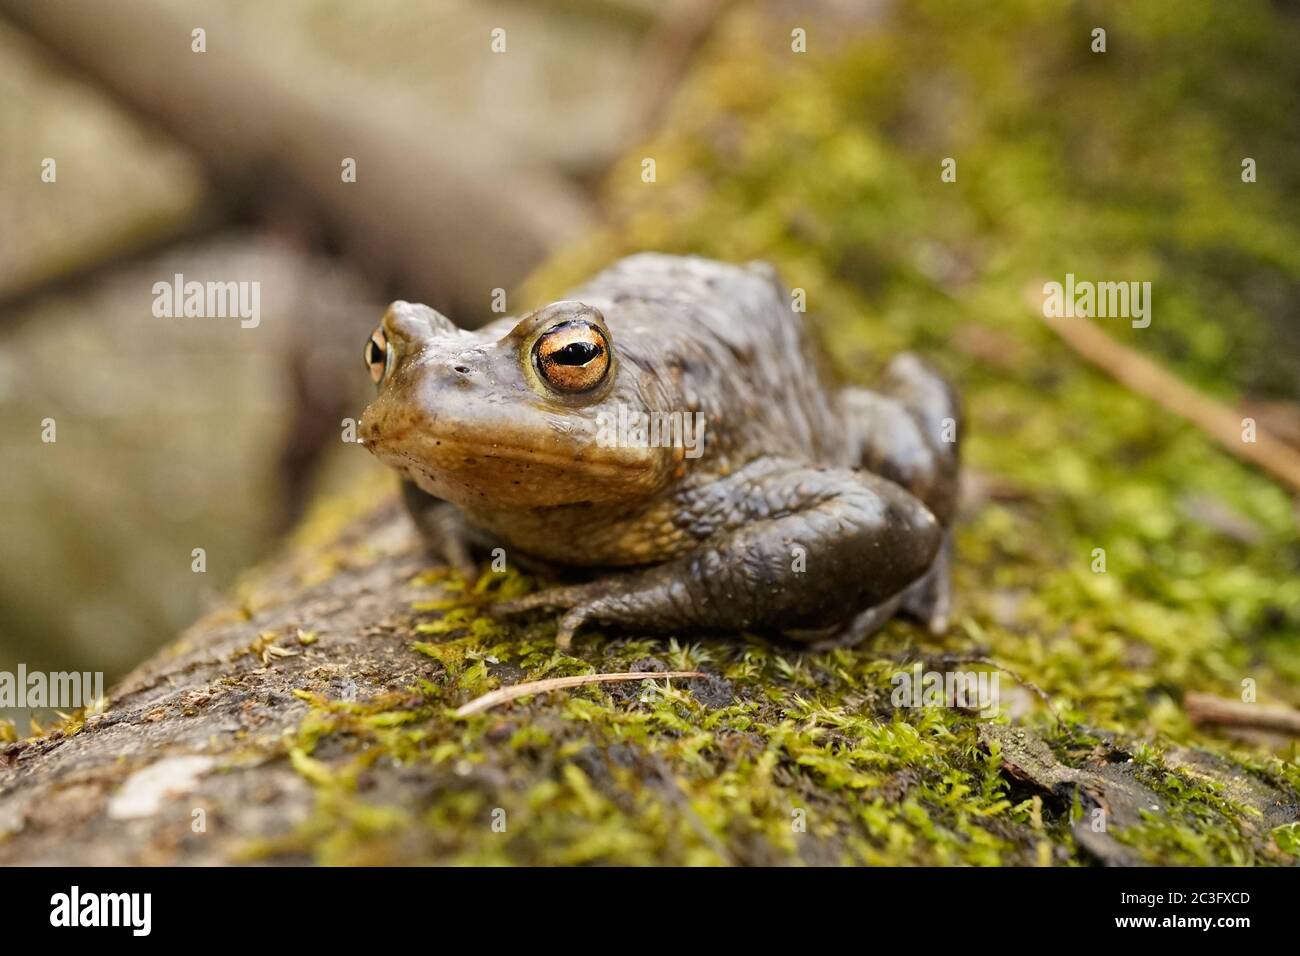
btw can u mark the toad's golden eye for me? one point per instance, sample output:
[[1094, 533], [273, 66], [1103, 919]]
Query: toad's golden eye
[[378, 356], [573, 356]]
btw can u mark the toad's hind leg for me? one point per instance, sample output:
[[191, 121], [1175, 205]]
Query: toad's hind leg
[[789, 548], [909, 431], [929, 600]]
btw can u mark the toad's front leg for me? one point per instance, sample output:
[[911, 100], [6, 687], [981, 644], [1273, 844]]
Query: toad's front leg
[[783, 548]]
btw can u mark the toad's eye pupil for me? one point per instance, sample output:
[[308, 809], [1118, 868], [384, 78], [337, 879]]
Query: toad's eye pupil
[[576, 353], [373, 354], [573, 357]]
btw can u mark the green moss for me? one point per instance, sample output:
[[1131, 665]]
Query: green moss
[[828, 166]]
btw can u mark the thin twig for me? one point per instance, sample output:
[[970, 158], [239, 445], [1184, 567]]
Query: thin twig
[[910, 657], [1029, 685], [515, 691], [1208, 709], [1138, 373]]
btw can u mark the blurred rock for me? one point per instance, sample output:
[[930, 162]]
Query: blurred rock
[[169, 437], [118, 185]]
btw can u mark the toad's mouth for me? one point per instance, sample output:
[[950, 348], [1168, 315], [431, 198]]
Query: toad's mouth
[[514, 473], [453, 457], [451, 452]]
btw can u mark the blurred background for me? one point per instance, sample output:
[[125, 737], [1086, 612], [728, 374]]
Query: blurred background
[[475, 152], [483, 133]]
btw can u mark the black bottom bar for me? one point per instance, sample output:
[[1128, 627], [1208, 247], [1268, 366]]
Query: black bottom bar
[[267, 906]]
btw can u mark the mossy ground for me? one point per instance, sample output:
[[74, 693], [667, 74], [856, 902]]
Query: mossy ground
[[1123, 165]]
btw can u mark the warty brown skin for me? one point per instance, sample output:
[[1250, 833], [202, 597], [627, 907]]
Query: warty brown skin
[[812, 511]]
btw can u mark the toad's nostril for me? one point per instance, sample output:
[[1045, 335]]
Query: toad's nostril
[[462, 369]]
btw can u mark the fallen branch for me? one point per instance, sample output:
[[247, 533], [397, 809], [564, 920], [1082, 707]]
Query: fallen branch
[[1141, 375], [1207, 709], [668, 50], [436, 212], [515, 691]]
